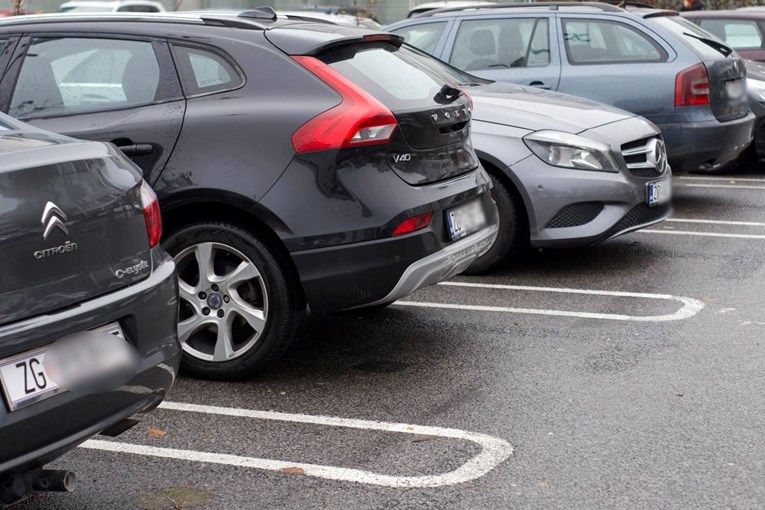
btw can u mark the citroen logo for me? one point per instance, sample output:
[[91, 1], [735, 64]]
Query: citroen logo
[[53, 217]]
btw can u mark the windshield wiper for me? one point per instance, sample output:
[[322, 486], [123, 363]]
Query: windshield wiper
[[711, 42]]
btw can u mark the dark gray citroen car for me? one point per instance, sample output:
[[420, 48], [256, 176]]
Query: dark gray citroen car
[[88, 300], [300, 166]]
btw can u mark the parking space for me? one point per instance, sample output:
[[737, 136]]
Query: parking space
[[627, 374]]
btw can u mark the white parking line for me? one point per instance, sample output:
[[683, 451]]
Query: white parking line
[[722, 186], [703, 234], [690, 306], [716, 222], [494, 450], [722, 179]]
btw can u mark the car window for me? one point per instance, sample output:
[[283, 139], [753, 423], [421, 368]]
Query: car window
[[391, 76], [205, 72], [425, 36], [65, 76], [690, 33], [138, 8], [738, 34], [501, 43], [590, 41]]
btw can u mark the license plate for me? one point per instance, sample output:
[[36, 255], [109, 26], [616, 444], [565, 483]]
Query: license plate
[[27, 378], [465, 219], [735, 89], [658, 193]]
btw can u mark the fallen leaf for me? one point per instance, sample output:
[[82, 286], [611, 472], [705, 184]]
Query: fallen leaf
[[293, 470], [156, 432], [680, 394]]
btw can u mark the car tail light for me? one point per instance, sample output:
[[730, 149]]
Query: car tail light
[[413, 224], [358, 120], [692, 86], [151, 214]]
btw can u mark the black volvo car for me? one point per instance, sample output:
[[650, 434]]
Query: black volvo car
[[88, 301], [300, 166]]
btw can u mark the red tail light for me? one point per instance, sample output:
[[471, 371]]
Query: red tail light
[[413, 224], [151, 214], [359, 119], [692, 86]]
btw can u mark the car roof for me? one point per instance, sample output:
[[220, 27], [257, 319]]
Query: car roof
[[497, 8], [737, 14], [293, 36], [107, 3]]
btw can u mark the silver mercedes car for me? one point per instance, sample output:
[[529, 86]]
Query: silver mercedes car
[[567, 171]]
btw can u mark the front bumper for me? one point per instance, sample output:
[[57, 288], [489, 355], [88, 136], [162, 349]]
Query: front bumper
[[569, 208], [706, 144], [147, 311]]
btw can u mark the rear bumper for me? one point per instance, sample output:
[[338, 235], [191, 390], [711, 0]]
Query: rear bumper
[[706, 144], [442, 265], [37, 434], [383, 270]]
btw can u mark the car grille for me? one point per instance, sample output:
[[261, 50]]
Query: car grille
[[641, 214], [646, 158], [575, 215]]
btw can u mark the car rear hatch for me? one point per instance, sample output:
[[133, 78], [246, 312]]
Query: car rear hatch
[[72, 225], [431, 140], [727, 88], [725, 71]]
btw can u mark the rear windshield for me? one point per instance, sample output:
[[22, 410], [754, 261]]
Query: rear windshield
[[396, 79], [691, 34]]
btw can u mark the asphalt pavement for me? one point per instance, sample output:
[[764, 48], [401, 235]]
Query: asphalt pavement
[[627, 375]]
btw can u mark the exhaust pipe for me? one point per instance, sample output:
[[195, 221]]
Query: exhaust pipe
[[49, 480]]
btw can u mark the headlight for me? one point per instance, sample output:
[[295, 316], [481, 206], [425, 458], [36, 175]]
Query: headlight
[[571, 151], [756, 89]]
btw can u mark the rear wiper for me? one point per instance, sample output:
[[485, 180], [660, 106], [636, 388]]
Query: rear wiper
[[447, 94], [711, 42]]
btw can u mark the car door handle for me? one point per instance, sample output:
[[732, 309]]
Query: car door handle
[[136, 149], [540, 85]]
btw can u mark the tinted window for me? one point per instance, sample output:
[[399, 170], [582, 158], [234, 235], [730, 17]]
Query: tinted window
[[689, 33], [138, 8], [499, 43], [425, 36], [608, 42], [67, 76], [737, 34], [205, 72], [395, 79]]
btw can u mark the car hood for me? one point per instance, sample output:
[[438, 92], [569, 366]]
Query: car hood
[[534, 109]]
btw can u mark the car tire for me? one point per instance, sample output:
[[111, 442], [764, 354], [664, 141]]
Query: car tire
[[510, 236], [244, 314]]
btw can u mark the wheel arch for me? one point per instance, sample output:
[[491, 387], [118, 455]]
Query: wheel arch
[[503, 173], [206, 205]]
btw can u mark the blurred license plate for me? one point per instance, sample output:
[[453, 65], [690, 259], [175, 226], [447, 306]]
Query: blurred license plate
[[26, 378], [735, 89], [465, 219], [658, 193]]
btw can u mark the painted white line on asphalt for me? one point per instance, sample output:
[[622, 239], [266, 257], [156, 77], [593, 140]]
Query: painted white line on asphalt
[[722, 179], [723, 186], [494, 450], [690, 306], [703, 234], [717, 222]]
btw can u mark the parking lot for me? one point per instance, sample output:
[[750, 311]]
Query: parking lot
[[626, 375]]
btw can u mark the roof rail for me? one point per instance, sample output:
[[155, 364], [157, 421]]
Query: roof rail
[[233, 22], [553, 6]]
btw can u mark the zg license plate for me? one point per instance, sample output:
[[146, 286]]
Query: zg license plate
[[26, 381], [658, 193], [465, 219], [30, 377]]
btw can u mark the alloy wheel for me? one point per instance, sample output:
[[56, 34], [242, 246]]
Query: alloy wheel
[[224, 302]]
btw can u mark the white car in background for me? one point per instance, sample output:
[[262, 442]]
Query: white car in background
[[80, 6]]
